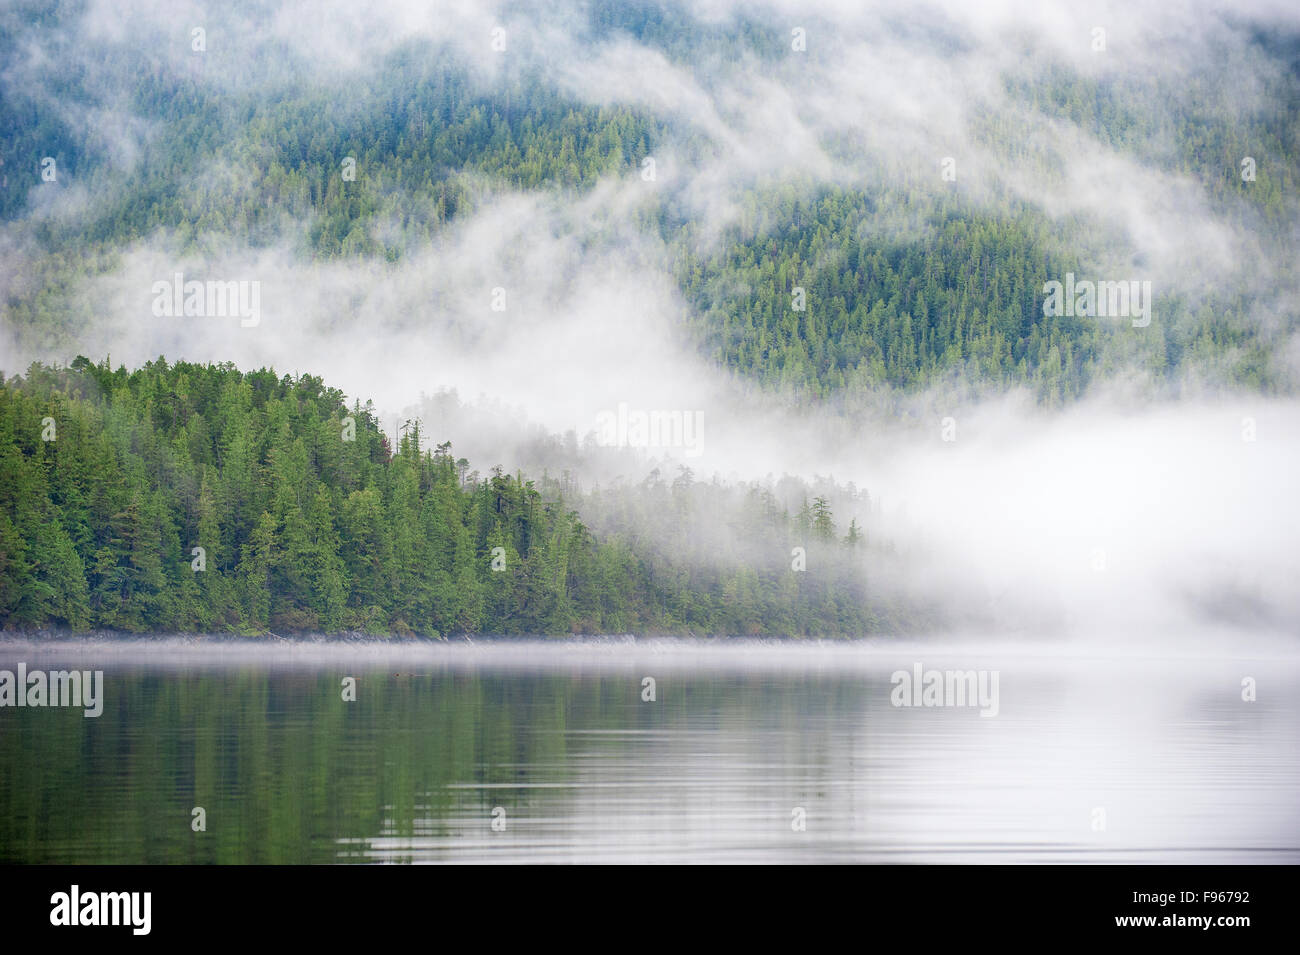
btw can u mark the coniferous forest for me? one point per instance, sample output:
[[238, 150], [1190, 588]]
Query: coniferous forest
[[838, 261], [197, 498]]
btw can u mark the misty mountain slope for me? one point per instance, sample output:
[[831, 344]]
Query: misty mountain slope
[[821, 300], [828, 299], [1208, 132], [425, 139], [268, 141]]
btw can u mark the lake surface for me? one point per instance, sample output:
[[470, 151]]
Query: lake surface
[[788, 752]]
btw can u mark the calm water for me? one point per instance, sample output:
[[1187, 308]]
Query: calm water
[[1121, 757]]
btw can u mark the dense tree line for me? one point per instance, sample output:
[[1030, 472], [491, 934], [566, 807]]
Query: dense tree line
[[309, 521]]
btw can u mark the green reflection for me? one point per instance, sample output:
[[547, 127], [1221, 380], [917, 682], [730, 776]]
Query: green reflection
[[288, 772]]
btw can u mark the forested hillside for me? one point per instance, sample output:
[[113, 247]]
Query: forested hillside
[[910, 282], [309, 522], [966, 296]]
